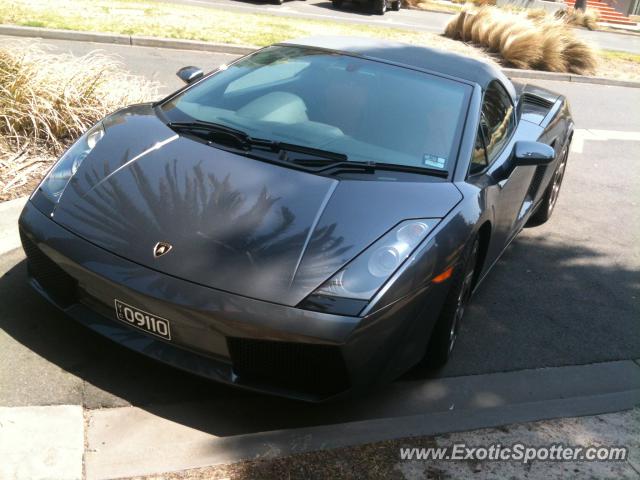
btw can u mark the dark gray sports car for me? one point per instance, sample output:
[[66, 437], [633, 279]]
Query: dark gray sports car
[[307, 221]]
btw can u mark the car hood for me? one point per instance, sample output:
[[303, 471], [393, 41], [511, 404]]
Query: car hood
[[235, 224]]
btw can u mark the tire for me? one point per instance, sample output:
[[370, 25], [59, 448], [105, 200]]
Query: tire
[[379, 7], [336, 3], [277, 2], [396, 6], [550, 198], [445, 333]]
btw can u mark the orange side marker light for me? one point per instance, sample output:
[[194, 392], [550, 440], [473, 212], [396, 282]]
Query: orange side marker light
[[443, 276]]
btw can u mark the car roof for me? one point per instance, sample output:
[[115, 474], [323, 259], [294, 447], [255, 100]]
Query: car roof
[[423, 58]]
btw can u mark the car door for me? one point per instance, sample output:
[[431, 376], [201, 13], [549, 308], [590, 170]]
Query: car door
[[505, 188]]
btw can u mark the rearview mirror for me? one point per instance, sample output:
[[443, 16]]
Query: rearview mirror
[[189, 74], [533, 153]]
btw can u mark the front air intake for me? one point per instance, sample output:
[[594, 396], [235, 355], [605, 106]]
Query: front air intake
[[306, 368]]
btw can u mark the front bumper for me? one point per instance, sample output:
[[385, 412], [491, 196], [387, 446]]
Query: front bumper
[[229, 338]]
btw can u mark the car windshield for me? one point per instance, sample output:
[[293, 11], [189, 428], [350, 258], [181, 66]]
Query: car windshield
[[367, 110]]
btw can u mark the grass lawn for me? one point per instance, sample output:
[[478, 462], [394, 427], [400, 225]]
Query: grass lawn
[[622, 56], [134, 17], [434, 6]]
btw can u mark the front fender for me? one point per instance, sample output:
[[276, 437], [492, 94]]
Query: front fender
[[441, 250]]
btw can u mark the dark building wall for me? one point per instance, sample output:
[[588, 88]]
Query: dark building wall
[[623, 6]]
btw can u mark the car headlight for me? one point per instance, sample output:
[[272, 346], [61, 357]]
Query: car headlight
[[363, 276], [56, 181]]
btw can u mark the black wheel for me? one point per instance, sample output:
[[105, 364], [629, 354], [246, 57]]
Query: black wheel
[[336, 3], [545, 209], [445, 333], [397, 5], [277, 2], [379, 7]]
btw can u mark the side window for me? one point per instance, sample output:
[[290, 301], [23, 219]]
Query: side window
[[479, 158], [497, 112]]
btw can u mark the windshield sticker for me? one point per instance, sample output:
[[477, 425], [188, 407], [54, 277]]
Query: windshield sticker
[[434, 161]]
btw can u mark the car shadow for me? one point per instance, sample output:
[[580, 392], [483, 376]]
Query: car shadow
[[114, 376], [545, 304]]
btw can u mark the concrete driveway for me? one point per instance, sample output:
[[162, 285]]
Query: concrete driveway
[[564, 294]]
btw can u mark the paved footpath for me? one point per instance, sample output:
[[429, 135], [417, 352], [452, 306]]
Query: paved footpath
[[384, 460], [49, 443]]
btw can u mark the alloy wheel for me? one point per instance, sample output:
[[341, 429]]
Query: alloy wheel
[[557, 182], [463, 297]]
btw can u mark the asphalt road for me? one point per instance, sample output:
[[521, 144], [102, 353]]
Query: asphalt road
[[566, 293], [409, 19]]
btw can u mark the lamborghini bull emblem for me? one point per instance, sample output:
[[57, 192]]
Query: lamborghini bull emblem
[[161, 248]]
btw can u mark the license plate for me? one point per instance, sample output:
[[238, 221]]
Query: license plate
[[143, 320]]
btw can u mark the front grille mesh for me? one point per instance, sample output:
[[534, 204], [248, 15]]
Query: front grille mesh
[[309, 368], [306, 368], [57, 283]]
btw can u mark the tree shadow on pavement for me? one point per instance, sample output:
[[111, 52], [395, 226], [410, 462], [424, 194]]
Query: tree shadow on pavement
[[545, 304]]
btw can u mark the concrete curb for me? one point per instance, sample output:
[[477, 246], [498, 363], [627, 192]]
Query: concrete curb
[[142, 41], [455, 404], [132, 40], [568, 77], [56, 34], [191, 45], [613, 28], [186, 448]]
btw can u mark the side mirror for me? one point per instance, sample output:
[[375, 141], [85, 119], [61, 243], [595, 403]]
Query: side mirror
[[189, 74], [532, 153]]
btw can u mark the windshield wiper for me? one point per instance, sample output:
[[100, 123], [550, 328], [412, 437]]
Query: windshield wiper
[[315, 159], [323, 160], [435, 172], [368, 167], [238, 136], [246, 142], [317, 154]]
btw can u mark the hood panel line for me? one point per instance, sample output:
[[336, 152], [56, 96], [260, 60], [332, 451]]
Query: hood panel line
[[313, 226]]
